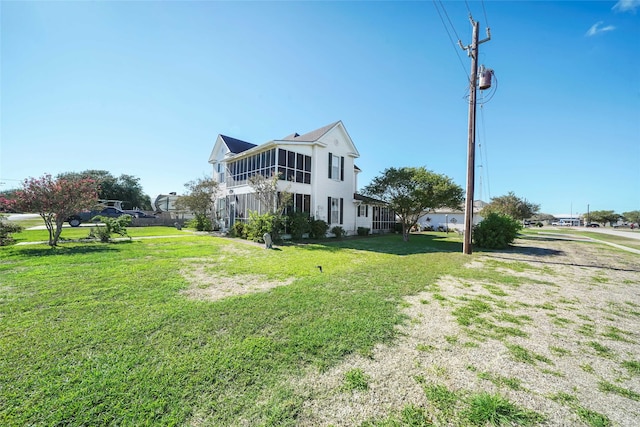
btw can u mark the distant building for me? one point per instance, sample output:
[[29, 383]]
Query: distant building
[[567, 220], [450, 218]]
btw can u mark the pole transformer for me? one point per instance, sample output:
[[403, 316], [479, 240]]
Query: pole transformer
[[472, 51]]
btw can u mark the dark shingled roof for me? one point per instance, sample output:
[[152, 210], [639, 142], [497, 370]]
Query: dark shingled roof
[[368, 200], [235, 145], [314, 135]]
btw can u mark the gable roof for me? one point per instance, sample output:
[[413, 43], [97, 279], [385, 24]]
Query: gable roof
[[291, 137], [312, 136], [236, 145]]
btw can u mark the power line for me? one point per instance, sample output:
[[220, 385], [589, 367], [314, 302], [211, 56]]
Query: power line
[[449, 19], [468, 9], [455, 48], [485, 13]]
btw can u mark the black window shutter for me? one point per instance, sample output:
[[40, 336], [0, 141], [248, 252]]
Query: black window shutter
[[341, 168], [329, 210], [341, 210], [330, 155]]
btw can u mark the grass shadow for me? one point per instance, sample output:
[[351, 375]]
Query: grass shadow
[[419, 243], [551, 256], [45, 250], [527, 250]]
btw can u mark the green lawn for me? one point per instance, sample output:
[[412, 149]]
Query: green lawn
[[97, 334], [77, 233]]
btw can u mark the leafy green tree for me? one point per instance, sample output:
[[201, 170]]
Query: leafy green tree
[[266, 191], [273, 204], [56, 200], [496, 231], [413, 191], [632, 216], [543, 217], [603, 217], [199, 201], [126, 188], [511, 205]]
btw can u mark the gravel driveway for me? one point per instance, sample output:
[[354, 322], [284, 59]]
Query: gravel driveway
[[562, 339]]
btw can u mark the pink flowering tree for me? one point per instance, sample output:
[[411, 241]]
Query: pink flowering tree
[[6, 205], [56, 200]]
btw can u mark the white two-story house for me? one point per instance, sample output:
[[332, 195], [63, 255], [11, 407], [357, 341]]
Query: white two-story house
[[317, 168]]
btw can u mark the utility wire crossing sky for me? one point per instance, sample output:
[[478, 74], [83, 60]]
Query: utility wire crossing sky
[[144, 88]]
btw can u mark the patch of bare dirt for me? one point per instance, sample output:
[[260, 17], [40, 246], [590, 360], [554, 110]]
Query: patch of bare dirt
[[212, 287], [582, 306]]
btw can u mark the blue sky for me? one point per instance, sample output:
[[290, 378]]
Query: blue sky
[[143, 88]]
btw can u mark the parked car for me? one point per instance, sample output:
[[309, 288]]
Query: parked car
[[593, 224], [528, 223], [77, 219], [137, 213]]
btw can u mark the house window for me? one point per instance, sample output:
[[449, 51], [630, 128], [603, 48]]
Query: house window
[[261, 163], [220, 172], [336, 167], [363, 210], [383, 218], [336, 210], [294, 167], [302, 203]]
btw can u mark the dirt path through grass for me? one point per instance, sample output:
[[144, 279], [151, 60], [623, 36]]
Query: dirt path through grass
[[552, 326]]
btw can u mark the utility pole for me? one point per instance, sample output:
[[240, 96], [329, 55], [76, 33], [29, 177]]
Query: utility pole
[[472, 51]]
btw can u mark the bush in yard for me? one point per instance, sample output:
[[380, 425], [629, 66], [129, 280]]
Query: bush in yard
[[338, 231], [6, 231], [111, 225], [201, 223], [496, 231], [239, 230], [298, 224], [258, 225], [318, 229], [363, 231]]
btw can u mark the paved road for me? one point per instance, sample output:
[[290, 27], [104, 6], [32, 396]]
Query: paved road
[[622, 233], [22, 217], [625, 232], [65, 225], [18, 217]]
